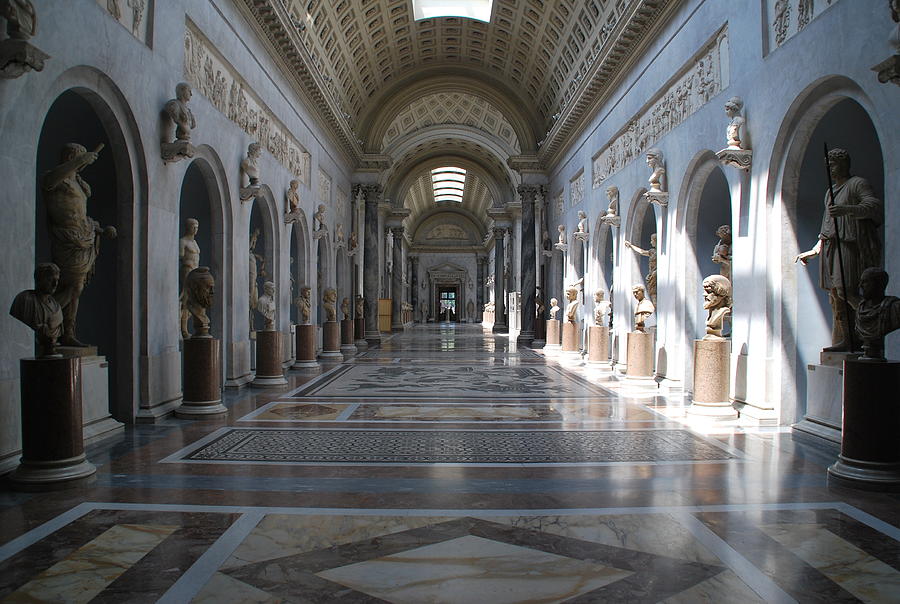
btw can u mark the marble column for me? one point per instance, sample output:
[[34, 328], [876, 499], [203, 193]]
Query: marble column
[[499, 281], [528, 275], [481, 263], [414, 285], [370, 262], [397, 280]]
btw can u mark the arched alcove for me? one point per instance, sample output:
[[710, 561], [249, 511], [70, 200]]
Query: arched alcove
[[640, 228], [602, 257], [299, 263], [263, 254]]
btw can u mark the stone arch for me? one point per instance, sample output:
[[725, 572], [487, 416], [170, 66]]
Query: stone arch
[[108, 119], [299, 259], [602, 257], [805, 123], [637, 230]]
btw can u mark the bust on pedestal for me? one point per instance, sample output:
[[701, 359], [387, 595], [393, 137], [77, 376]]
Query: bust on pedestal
[[306, 333], [202, 365], [347, 329], [359, 323], [737, 154], [178, 117], [269, 350], [50, 395], [639, 359], [712, 355], [250, 173], [598, 333], [331, 330], [571, 328], [553, 340]]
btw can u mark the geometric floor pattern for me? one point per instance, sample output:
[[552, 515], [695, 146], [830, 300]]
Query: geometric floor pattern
[[295, 446]]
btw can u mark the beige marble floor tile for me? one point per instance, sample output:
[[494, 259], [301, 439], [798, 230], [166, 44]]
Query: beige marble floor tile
[[863, 575], [91, 568], [300, 411], [724, 587], [222, 589], [473, 569], [431, 412]]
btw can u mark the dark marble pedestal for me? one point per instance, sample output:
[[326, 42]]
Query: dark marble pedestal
[[540, 333], [306, 347], [331, 341], [269, 373], [202, 368], [52, 442], [347, 337], [359, 329], [870, 453]]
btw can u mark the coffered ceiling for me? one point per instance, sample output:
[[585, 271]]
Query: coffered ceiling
[[552, 60]]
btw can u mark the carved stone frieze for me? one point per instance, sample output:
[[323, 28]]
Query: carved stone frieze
[[216, 79], [699, 81], [324, 187], [132, 14], [788, 17], [576, 189]]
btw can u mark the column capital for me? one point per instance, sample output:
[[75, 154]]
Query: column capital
[[529, 193], [397, 231], [369, 192], [499, 232]]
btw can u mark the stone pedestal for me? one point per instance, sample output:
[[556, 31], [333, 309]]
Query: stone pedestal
[[306, 347], [824, 385], [553, 341], [97, 421], [347, 339], [639, 355], [711, 383], [598, 344], [870, 455], [202, 381], [359, 329], [540, 333], [571, 340], [52, 443], [269, 373], [331, 341]]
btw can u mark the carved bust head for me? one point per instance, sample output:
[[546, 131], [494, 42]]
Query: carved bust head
[[717, 292], [839, 163], [598, 295], [191, 226], [571, 293], [638, 292], [724, 233], [733, 106], [612, 193], [183, 92], [200, 287], [253, 150], [654, 158]]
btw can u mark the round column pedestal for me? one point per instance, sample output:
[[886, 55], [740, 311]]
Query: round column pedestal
[[870, 457], [598, 345], [52, 440], [359, 330], [540, 333], [202, 370], [639, 355], [571, 341], [711, 400], [306, 347], [347, 339], [331, 341], [269, 373], [553, 341]]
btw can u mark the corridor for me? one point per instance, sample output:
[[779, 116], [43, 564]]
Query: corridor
[[445, 465]]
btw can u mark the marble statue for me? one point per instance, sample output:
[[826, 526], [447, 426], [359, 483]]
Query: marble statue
[[265, 305], [855, 215], [189, 259], [303, 302], [199, 286], [319, 218], [74, 236], [877, 314], [612, 212], [581, 230], [735, 134], [644, 307], [562, 234], [554, 308], [657, 179], [601, 307], [539, 306], [339, 235], [179, 115], [39, 310], [360, 306], [17, 55], [717, 300], [250, 172], [292, 201], [352, 243], [650, 253], [329, 299], [573, 305], [546, 244], [253, 272], [345, 308], [722, 251]]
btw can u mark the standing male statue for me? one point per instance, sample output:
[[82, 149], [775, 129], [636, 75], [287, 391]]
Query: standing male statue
[[853, 219], [74, 236]]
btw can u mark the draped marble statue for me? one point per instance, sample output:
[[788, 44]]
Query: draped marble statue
[[39, 310]]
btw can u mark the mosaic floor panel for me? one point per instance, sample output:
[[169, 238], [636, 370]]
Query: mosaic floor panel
[[297, 446]]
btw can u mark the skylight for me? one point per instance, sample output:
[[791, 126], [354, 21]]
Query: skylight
[[448, 183], [473, 9]]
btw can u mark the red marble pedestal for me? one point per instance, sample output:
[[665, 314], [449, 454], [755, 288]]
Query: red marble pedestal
[[306, 347], [202, 379], [359, 330], [347, 337], [640, 355], [331, 341], [269, 351], [570, 339], [598, 344], [552, 335], [52, 441]]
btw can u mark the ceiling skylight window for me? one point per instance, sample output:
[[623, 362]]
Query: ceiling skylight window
[[448, 183], [473, 9]]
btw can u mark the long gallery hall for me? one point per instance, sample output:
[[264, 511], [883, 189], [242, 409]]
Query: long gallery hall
[[450, 301]]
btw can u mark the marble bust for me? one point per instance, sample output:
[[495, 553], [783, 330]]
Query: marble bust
[[319, 218], [360, 306], [582, 228], [292, 202], [339, 235], [199, 286], [352, 243], [612, 211], [345, 308], [561, 240], [178, 114], [877, 314], [303, 302], [717, 300], [856, 214], [650, 253], [573, 305], [554, 308], [265, 305], [17, 55], [250, 172], [329, 299], [644, 307], [601, 307], [722, 251], [734, 135], [39, 310], [656, 162]]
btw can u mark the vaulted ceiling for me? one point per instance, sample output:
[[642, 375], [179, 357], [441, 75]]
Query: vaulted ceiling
[[541, 66]]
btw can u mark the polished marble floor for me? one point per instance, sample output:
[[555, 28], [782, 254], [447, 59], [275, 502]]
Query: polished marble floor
[[446, 465]]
